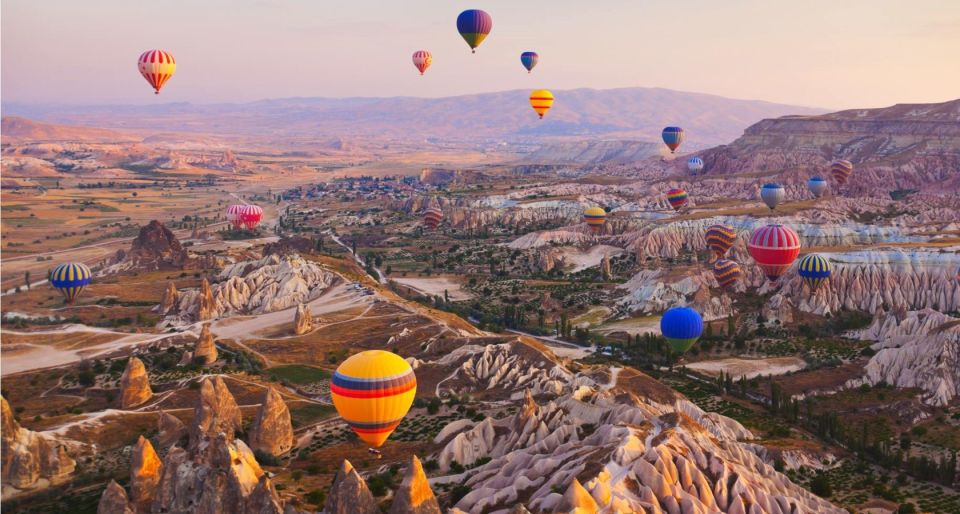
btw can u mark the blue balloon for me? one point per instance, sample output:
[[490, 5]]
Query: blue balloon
[[681, 327], [529, 60]]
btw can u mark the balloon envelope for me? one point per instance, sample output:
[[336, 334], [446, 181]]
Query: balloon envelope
[[432, 217], [595, 217], [720, 238], [814, 269], [70, 279], [681, 327], [817, 186], [474, 26], [529, 60], [772, 195], [677, 198], [541, 100], [246, 216], [422, 60], [727, 273], [695, 164], [372, 391], [841, 170], [774, 247], [672, 137], [157, 66]]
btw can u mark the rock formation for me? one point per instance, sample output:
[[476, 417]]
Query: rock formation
[[350, 494], [414, 495], [216, 412], [578, 501], [205, 306], [155, 248], [169, 300], [145, 471], [30, 456], [205, 348], [302, 320], [170, 429], [134, 384], [272, 430], [289, 246], [605, 267], [114, 500]]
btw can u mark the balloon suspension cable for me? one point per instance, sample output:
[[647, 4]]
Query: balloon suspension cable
[[473, 50], [157, 92]]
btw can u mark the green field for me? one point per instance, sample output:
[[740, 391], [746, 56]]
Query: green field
[[298, 374]]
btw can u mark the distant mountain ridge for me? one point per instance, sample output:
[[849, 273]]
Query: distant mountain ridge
[[582, 113]]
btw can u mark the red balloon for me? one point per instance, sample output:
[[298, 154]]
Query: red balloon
[[774, 247]]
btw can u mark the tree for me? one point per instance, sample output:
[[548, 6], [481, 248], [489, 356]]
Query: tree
[[26, 278], [820, 486]]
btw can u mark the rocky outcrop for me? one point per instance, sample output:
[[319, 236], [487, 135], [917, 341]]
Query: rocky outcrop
[[134, 384], [605, 267], [202, 303], [30, 459], [577, 500], [414, 495], [169, 300], [145, 472], [206, 349], [271, 284], [302, 320], [155, 248], [289, 246], [216, 412], [170, 430], [114, 500], [272, 430], [350, 494]]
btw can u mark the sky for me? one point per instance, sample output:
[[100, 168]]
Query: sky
[[821, 53]]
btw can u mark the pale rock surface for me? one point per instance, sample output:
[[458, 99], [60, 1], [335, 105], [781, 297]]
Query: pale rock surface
[[203, 302], [216, 412], [205, 348], [134, 384], [350, 494], [170, 429], [302, 320], [272, 430], [414, 495], [29, 457], [114, 500], [169, 300]]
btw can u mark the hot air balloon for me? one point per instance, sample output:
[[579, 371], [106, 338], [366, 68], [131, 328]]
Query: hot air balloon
[[250, 216], [373, 391], [157, 67], [529, 60], [677, 198], [233, 215], [681, 327], [726, 272], [772, 195], [720, 238], [672, 137], [474, 25], [422, 59], [595, 217], [817, 186], [774, 247], [432, 217], [70, 278], [541, 100], [841, 170], [814, 269], [695, 165]]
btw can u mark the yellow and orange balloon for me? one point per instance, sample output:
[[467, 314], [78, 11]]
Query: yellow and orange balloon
[[372, 391], [157, 66], [541, 100]]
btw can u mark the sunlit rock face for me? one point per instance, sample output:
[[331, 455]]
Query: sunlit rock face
[[30, 459], [134, 384]]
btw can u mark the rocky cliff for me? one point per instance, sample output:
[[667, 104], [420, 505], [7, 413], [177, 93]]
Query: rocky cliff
[[302, 320], [31, 459], [205, 348], [154, 248], [134, 384], [216, 412], [272, 430], [349, 493], [414, 495]]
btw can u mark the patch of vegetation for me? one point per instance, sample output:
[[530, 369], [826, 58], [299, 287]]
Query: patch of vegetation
[[298, 374]]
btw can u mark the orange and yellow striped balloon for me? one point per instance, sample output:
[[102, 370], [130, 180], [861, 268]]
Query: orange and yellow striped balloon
[[372, 391], [157, 67], [541, 100]]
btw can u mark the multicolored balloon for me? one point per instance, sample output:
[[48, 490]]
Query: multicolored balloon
[[422, 59], [772, 195], [672, 137], [814, 269], [841, 170], [595, 217], [541, 100], [720, 238], [432, 217], [157, 66], [677, 198], [695, 164], [681, 327], [474, 26], [246, 216], [727, 273], [373, 391], [529, 60], [70, 278], [817, 186], [774, 247]]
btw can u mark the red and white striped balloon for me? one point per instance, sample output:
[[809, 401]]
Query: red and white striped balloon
[[157, 67], [244, 216], [774, 247], [422, 59]]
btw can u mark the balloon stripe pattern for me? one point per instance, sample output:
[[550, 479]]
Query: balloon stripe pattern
[[841, 170], [372, 391], [720, 238], [70, 279], [244, 216], [817, 186], [772, 195], [541, 100], [432, 217], [422, 59], [727, 273], [672, 137], [677, 198], [814, 269], [157, 66], [695, 164], [774, 247], [681, 327], [474, 26], [595, 217], [529, 60]]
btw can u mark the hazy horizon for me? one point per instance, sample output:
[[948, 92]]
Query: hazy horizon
[[817, 54]]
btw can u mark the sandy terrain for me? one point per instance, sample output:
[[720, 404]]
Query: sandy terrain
[[435, 286], [749, 367], [632, 326]]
